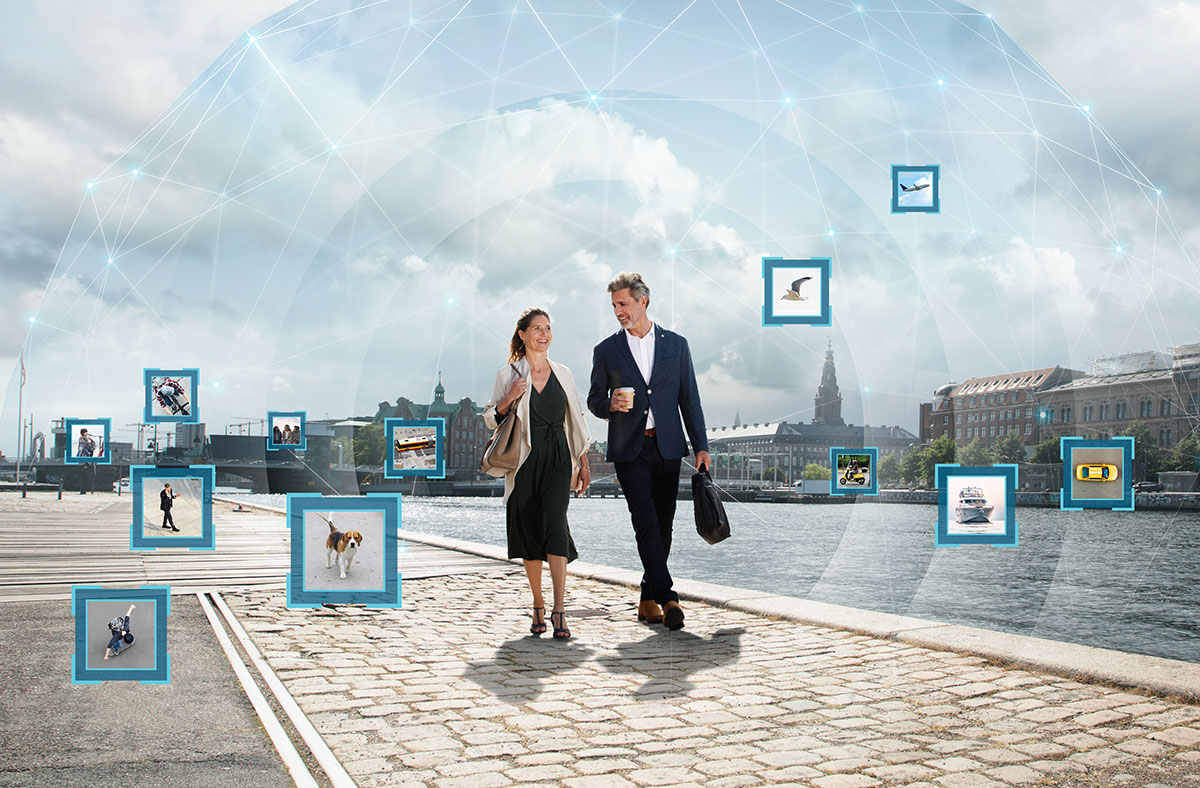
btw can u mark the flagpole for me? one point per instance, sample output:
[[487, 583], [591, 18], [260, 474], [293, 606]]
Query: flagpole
[[20, 417]]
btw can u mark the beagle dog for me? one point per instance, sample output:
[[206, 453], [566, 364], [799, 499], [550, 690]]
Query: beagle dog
[[341, 547]]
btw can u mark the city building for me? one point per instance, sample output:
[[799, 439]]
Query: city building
[[745, 451], [990, 408], [466, 433], [1159, 390]]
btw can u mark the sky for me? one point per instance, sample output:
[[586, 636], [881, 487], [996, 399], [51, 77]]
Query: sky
[[476, 176]]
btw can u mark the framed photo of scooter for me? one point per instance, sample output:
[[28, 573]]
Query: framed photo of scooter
[[853, 471], [171, 396], [976, 505], [120, 634]]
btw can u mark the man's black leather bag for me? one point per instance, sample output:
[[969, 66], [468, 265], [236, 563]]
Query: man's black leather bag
[[711, 522]]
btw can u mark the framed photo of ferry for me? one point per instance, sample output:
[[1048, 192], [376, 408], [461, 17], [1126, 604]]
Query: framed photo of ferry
[[976, 505]]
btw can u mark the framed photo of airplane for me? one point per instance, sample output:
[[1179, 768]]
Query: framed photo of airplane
[[796, 292], [1097, 473], [916, 189], [976, 505]]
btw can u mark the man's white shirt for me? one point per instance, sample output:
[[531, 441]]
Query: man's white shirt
[[643, 354]]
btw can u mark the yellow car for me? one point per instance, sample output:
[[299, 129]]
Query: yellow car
[[1096, 472]]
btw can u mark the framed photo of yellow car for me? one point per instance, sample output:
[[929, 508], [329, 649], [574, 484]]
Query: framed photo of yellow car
[[853, 471], [1097, 473]]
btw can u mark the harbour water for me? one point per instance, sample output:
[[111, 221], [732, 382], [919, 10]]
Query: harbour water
[[1120, 580]]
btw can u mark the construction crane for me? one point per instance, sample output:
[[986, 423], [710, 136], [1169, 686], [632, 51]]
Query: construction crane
[[249, 421]]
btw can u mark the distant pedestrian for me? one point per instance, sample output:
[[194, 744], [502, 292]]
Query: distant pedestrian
[[166, 499], [287, 433], [553, 460], [277, 435]]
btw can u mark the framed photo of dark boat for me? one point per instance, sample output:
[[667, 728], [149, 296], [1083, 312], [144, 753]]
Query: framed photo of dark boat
[[976, 505]]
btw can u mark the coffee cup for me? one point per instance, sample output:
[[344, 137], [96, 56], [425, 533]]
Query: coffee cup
[[626, 395]]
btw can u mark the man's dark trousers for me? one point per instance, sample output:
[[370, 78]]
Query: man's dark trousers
[[651, 485]]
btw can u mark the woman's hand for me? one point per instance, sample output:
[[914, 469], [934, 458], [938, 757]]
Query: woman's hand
[[514, 393], [585, 476]]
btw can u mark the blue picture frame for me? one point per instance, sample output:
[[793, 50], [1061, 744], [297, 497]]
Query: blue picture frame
[[942, 474], [870, 489], [193, 417], [935, 187], [770, 265], [298, 595], [272, 415], [160, 596], [1070, 498], [69, 424], [208, 479], [439, 469]]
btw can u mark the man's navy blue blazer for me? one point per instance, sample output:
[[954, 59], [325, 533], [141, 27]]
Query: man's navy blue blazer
[[672, 391]]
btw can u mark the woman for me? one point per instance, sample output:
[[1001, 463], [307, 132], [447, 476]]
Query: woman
[[287, 433], [553, 460]]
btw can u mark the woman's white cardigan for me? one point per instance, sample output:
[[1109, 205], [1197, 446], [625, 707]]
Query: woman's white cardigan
[[578, 439]]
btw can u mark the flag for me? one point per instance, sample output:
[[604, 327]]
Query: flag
[[22, 369]]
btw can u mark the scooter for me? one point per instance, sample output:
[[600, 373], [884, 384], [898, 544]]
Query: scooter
[[854, 477]]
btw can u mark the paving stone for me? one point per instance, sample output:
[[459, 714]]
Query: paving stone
[[626, 706]]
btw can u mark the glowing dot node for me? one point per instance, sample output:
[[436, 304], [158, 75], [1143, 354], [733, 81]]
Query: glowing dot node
[[1119, 248], [672, 251], [32, 319], [110, 261], [135, 172], [989, 15], [1158, 191], [216, 385], [941, 82], [449, 300], [858, 8], [831, 233], [1087, 108], [617, 15], [91, 185]]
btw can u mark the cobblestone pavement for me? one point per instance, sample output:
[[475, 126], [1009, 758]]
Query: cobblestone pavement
[[451, 692]]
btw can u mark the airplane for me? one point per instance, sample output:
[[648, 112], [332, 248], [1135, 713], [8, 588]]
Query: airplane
[[922, 183]]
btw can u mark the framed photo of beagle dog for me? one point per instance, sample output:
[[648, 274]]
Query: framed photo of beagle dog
[[343, 550]]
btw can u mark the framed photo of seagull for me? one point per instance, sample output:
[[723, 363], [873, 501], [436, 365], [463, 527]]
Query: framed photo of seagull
[[796, 292], [916, 189]]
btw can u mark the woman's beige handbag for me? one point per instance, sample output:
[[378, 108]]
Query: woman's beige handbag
[[502, 454]]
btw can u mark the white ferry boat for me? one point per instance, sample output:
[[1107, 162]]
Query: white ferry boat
[[972, 506]]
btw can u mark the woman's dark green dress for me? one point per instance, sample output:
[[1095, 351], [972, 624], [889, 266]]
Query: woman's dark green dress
[[537, 507]]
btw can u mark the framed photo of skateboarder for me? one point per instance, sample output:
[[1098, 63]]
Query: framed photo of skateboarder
[[172, 507], [87, 441], [120, 634], [976, 505], [853, 471], [344, 549], [171, 396]]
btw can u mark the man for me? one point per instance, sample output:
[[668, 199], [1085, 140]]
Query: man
[[645, 436], [86, 447], [166, 499]]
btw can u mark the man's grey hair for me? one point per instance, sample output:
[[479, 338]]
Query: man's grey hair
[[631, 281]]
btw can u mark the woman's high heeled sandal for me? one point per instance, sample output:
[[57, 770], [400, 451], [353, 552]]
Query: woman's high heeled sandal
[[560, 625], [539, 621]]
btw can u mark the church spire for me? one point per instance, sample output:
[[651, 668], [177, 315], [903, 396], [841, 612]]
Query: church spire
[[827, 405]]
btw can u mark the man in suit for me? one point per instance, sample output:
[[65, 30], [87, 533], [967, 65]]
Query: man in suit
[[645, 437]]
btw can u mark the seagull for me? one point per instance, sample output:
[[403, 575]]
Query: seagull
[[794, 293]]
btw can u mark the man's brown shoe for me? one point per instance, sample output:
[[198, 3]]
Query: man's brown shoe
[[650, 612], [673, 615]]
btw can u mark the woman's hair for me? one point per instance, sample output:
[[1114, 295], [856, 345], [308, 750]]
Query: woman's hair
[[516, 346], [633, 282]]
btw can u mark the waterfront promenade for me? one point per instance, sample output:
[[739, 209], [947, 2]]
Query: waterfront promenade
[[450, 691]]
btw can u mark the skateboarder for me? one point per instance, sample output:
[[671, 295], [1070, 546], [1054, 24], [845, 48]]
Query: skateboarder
[[119, 627]]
